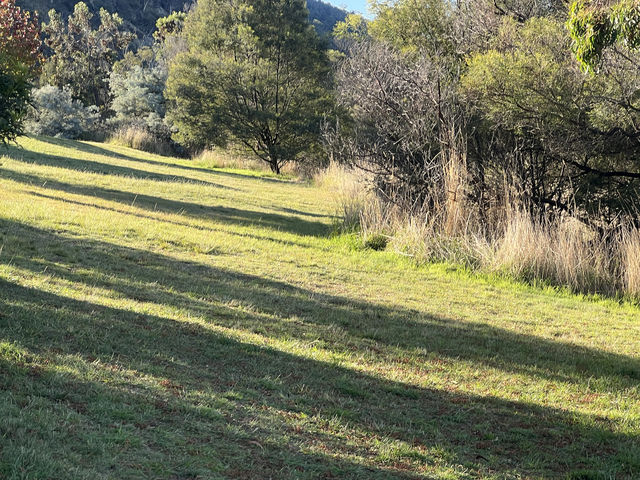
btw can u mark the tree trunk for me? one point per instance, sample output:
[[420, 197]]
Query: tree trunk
[[275, 166]]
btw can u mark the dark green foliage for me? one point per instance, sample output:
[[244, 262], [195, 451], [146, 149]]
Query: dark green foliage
[[376, 241], [14, 96], [254, 74], [82, 57]]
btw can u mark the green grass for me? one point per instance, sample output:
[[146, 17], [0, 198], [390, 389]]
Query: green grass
[[163, 320]]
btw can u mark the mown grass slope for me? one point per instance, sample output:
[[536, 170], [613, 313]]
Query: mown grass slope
[[163, 320]]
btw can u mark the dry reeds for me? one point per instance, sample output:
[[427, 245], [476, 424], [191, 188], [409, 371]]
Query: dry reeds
[[630, 260], [562, 252], [141, 139], [349, 192], [228, 158]]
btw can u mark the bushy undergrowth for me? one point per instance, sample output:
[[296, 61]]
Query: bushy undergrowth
[[561, 252], [141, 139], [55, 113]]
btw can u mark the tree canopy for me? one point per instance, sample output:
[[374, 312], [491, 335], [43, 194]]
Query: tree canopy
[[254, 74], [595, 27], [81, 57]]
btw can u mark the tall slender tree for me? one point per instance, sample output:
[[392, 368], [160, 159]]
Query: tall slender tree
[[82, 57]]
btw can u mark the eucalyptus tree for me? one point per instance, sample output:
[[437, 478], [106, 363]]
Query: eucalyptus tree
[[81, 57]]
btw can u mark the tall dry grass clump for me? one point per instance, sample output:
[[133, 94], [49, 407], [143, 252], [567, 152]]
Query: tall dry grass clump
[[348, 190], [523, 249], [562, 252], [630, 261], [424, 237], [582, 258], [141, 139], [456, 212]]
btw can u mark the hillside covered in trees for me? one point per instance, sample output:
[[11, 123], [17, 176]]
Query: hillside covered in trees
[[141, 15]]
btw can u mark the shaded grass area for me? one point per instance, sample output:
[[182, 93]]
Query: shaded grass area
[[230, 342]]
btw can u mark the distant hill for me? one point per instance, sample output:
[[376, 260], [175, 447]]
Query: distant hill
[[324, 16], [141, 15]]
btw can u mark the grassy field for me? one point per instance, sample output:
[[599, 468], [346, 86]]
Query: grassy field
[[159, 319]]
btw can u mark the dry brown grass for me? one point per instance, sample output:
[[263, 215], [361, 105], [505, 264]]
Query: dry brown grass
[[219, 158], [141, 139], [563, 252], [349, 190], [630, 260]]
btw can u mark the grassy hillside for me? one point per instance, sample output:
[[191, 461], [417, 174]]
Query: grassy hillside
[[162, 320]]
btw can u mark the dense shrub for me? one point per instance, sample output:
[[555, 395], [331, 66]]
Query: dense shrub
[[138, 99], [566, 141], [55, 113]]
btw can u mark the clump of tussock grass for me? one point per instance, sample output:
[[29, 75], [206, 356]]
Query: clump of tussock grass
[[563, 252], [218, 158], [349, 191], [629, 244], [141, 139]]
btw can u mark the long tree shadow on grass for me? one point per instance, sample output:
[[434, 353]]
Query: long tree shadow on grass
[[93, 166], [150, 277], [223, 214], [98, 150], [263, 390], [193, 225], [233, 406]]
